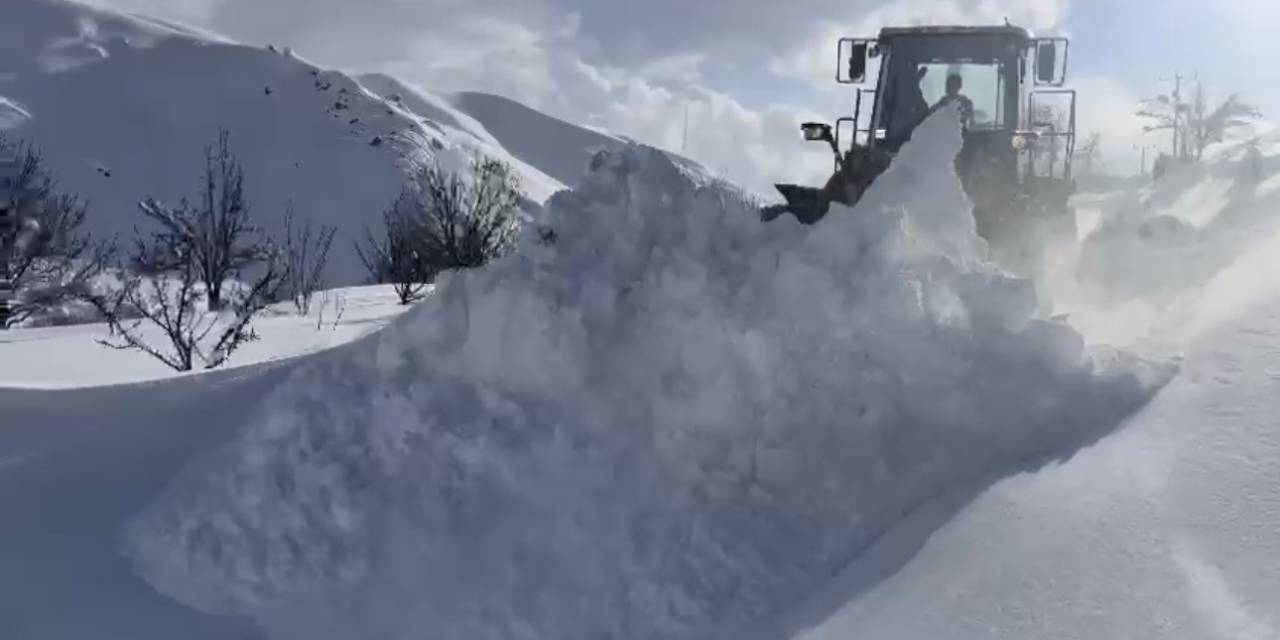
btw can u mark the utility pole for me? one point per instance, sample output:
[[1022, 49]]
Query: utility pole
[[1142, 164], [1180, 137], [684, 140], [1177, 111], [10, 167]]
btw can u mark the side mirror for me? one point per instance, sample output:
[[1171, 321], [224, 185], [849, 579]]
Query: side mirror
[[858, 62], [1046, 62], [817, 132]]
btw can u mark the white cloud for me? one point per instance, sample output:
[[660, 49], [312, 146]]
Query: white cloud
[[1107, 107], [813, 57]]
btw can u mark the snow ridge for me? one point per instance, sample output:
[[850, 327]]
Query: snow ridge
[[660, 418]]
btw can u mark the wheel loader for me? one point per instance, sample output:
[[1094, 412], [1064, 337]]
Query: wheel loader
[[1018, 127]]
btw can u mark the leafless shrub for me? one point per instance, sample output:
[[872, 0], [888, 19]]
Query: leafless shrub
[[441, 222], [215, 235], [306, 252]]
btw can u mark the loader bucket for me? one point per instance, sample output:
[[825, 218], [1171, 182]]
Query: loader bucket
[[858, 169]]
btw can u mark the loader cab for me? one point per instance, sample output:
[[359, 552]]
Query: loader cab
[[1018, 129], [1016, 112], [916, 65]]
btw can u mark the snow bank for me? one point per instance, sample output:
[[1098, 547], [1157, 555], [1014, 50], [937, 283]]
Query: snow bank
[[661, 418]]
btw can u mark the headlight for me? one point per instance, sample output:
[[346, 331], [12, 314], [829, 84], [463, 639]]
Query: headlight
[[1019, 142]]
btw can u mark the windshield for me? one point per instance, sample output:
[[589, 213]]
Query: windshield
[[915, 81], [982, 84]]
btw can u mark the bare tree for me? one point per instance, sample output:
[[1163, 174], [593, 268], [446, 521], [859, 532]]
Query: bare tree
[[1089, 151], [52, 261], [1166, 114], [1206, 126], [1194, 125], [394, 257], [193, 253], [441, 222], [164, 291], [306, 252], [463, 224], [215, 234]]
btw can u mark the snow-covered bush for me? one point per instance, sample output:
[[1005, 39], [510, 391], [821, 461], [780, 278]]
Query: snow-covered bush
[[662, 419], [306, 253]]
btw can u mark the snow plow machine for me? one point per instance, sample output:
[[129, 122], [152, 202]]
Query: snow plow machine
[[1017, 120]]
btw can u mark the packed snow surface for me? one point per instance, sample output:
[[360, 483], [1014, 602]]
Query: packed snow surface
[[661, 419]]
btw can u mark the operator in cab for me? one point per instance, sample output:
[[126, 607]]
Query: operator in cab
[[954, 84]]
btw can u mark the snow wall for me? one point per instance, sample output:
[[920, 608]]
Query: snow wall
[[660, 419]]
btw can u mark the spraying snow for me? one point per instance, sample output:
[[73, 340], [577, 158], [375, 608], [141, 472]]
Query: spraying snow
[[1168, 528], [662, 418], [1166, 262]]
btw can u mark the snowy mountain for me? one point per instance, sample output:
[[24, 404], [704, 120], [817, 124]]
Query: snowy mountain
[[123, 106], [560, 149]]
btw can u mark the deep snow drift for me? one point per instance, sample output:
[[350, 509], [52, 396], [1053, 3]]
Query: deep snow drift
[[660, 420], [123, 106]]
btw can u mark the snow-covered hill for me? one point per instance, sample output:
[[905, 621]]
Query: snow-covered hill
[[123, 106], [561, 149]]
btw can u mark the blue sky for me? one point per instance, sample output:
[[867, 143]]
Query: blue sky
[[1138, 46], [1229, 43]]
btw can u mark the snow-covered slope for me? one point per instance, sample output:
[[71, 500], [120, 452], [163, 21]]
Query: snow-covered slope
[[558, 147], [436, 113], [661, 420], [561, 149], [123, 107]]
